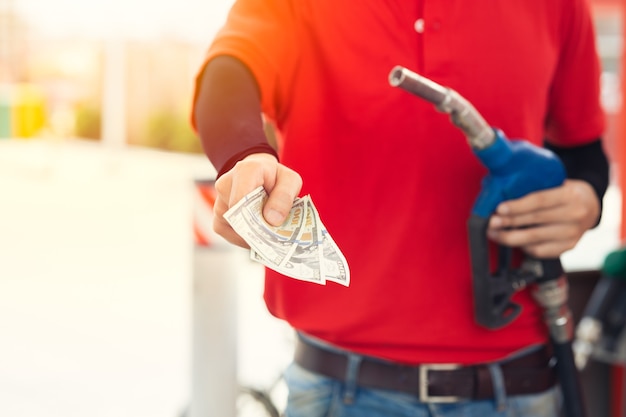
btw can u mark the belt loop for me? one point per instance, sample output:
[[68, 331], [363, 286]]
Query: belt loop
[[352, 373], [499, 389]]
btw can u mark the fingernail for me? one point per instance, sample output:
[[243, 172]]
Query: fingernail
[[273, 217], [503, 209], [496, 221]]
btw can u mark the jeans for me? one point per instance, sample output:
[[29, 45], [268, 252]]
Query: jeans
[[314, 395]]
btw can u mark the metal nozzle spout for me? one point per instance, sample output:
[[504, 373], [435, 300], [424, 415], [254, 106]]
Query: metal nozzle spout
[[418, 85], [396, 76], [478, 133]]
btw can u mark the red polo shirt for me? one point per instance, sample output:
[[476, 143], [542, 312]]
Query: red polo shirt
[[393, 179]]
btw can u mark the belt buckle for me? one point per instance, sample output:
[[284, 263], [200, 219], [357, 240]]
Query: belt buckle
[[424, 396]]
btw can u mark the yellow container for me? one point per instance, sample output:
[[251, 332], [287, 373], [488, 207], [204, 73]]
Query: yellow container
[[22, 110], [28, 111]]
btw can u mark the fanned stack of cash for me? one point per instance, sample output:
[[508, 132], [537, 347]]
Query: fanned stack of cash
[[300, 248]]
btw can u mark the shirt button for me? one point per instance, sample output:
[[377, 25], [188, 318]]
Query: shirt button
[[419, 26]]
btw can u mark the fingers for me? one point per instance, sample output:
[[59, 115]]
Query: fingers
[[574, 201], [537, 201], [281, 196], [281, 183], [562, 213], [540, 241], [546, 223], [222, 227]]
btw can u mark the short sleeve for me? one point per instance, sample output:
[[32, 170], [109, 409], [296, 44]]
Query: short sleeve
[[260, 33], [575, 114]]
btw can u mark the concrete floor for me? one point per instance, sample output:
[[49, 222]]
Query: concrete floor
[[96, 281]]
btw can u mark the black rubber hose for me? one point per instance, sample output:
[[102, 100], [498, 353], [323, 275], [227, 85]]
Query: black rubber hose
[[569, 379]]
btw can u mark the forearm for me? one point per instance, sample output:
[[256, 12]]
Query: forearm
[[227, 114], [588, 163]]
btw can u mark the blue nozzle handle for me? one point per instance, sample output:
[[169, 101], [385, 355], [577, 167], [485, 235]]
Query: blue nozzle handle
[[516, 168]]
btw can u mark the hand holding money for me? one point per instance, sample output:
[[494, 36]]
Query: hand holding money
[[300, 248]]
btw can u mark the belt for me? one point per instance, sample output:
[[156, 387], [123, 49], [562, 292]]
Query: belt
[[527, 374]]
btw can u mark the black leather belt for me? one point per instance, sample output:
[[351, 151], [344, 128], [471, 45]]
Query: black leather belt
[[527, 374]]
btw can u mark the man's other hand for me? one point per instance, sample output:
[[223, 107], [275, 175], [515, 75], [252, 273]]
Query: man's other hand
[[546, 223]]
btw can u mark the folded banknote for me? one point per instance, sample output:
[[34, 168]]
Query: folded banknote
[[300, 248]]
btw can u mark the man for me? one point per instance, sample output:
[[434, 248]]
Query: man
[[394, 182]]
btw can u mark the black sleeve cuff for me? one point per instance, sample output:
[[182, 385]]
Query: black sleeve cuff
[[587, 163], [230, 163]]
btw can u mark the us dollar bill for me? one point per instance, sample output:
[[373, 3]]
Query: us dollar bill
[[275, 244], [300, 248], [333, 263]]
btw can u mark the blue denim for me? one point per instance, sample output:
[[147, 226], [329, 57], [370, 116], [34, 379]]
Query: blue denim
[[314, 395]]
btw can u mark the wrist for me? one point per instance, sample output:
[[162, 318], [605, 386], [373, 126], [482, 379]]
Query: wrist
[[259, 149]]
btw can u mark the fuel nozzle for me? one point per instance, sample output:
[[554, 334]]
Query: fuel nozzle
[[600, 332], [515, 168]]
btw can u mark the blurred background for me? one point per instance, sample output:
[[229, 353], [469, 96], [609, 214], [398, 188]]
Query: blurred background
[[73, 58], [98, 165], [98, 170]]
